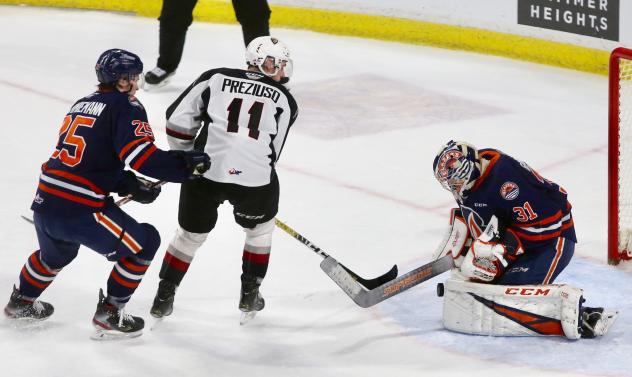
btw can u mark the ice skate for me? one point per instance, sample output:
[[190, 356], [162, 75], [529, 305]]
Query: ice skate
[[157, 78], [163, 302], [112, 322], [597, 321], [23, 309], [250, 301]]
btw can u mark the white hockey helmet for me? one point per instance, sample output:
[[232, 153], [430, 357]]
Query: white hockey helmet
[[262, 48], [456, 168]]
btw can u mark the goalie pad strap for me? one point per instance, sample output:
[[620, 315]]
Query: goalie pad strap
[[506, 310]]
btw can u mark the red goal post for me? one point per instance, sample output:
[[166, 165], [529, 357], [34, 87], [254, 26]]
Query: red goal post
[[620, 156]]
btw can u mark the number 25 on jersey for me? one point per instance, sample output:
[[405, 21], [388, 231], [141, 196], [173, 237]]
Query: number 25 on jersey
[[70, 149]]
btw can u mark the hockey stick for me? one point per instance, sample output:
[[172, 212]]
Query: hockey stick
[[119, 202], [368, 283], [366, 298]]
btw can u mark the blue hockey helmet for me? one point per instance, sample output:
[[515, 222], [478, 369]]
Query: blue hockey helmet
[[456, 168], [116, 63]]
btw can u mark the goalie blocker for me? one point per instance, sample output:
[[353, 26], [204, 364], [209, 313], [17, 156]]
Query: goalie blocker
[[520, 310]]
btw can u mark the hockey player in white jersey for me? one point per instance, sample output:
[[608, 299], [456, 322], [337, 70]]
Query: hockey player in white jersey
[[241, 118]]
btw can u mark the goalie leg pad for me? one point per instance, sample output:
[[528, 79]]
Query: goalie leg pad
[[505, 310]]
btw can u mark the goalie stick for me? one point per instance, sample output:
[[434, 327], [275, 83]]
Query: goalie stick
[[366, 298], [119, 202], [368, 283]]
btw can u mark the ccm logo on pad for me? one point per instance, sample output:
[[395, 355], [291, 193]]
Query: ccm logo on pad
[[527, 291]]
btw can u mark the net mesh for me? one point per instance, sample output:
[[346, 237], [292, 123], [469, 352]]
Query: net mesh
[[625, 150]]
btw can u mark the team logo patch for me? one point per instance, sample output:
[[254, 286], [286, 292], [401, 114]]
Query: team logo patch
[[509, 190], [234, 171]]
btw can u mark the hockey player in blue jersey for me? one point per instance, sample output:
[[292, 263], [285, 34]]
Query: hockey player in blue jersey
[[102, 133], [512, 227]]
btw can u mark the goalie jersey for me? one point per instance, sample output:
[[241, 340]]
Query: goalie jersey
[[239, 118], [101, 133], [536, 209]]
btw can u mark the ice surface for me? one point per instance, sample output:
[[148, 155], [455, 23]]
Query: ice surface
[[367, 196]]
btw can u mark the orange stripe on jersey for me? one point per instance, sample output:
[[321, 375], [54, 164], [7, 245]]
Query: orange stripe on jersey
[[27, 277], [542, 237], [130, 145], [493, 157], [114, 275], [559, 248], [74, 198], [568, 224], [556, 217], [75, 178], [537, 237], [144, 157]]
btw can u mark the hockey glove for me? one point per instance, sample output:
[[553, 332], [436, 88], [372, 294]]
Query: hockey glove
[[141, 190], [197, 163], [490, 254]]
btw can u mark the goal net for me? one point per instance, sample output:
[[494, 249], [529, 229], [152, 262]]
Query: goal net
[[620, 156]]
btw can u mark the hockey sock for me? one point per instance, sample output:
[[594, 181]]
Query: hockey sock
[[125, 277], [36, 276], [255, 261], [174, 267]]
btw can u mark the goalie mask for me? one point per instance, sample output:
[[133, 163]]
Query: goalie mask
[[269, 49], [455, 167]]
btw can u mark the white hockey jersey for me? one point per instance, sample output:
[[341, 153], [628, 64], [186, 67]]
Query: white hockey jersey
[[239, 118]]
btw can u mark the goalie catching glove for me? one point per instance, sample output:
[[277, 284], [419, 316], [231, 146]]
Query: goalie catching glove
[[491, 253]]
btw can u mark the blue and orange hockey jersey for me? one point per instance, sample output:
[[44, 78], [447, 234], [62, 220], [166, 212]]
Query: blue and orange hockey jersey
[[536, 209], [101, 134]]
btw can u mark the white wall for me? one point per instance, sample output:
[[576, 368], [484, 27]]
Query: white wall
[[495, 15]]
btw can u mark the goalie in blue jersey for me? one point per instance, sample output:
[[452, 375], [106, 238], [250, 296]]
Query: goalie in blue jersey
[[513, 229], [102, 133]]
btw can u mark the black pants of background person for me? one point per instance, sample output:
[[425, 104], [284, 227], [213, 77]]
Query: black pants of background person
[[177, 15]]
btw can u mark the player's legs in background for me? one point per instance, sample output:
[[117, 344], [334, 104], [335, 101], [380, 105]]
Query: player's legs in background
[[254, 17], [175, 18], [197, 215], [254, 209], [41, 268], [539, 265]]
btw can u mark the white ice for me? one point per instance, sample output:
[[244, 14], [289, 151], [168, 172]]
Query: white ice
[[356, 179]]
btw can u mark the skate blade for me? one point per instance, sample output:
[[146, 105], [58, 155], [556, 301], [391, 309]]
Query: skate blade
[[247, 317], [103, 334], [608, 318]]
